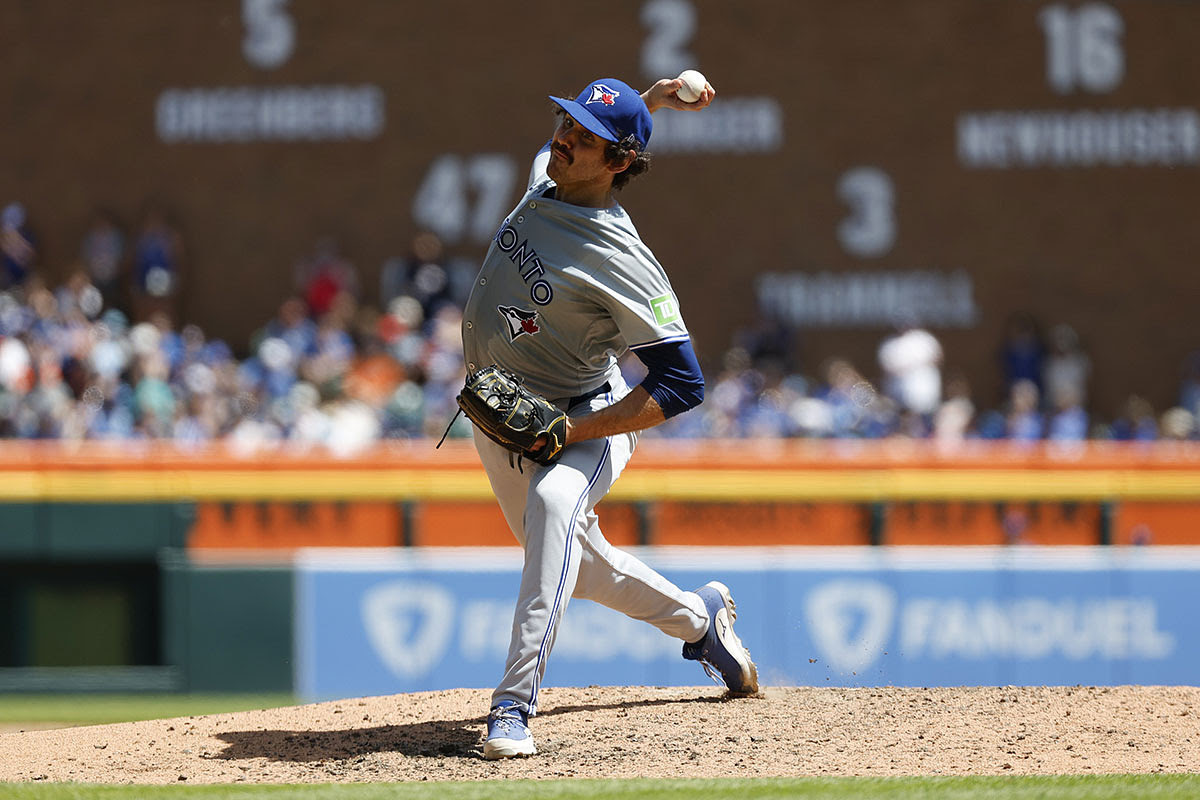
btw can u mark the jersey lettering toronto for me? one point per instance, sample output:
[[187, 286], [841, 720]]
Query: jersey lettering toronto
[[521, 255]]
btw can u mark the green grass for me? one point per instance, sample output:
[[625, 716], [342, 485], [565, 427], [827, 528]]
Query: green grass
[[96, 709], [1099, 787]]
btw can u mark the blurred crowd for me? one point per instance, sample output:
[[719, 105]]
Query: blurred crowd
[[1045, 382], [102, 357]]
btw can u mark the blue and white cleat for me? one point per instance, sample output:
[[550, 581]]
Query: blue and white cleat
[[508, 732], [721, 652]]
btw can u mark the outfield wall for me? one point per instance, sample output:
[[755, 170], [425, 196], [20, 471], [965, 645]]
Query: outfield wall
[[380, 622], [150, 567], [709, 492]]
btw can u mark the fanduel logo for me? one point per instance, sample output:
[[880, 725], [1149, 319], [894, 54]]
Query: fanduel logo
[[851, 621], [409, 625], [1029, 628]]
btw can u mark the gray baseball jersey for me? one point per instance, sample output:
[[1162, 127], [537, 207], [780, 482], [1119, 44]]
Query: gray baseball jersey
[[563, 292]]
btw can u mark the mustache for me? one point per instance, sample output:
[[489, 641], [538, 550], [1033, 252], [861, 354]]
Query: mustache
[[562, 151]]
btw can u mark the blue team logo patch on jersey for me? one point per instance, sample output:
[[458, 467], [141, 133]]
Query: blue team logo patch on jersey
[[603, 94], [519, 321]]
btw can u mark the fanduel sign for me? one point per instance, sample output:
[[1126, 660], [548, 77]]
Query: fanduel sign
[[853, 622], [383, 622]]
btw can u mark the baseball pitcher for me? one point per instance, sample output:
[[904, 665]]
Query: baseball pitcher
[[567, 288]]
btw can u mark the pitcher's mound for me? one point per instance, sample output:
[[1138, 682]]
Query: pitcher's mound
[[627, 732]]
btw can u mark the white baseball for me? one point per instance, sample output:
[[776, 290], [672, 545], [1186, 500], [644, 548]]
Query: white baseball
[[693, 85]]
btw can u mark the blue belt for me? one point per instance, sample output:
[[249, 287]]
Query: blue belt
[[579, 398]]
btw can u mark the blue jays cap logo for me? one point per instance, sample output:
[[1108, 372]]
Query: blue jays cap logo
[[603, 94], [611, 109]]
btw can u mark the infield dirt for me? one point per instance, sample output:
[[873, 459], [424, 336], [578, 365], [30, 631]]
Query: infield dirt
[[605, 732]]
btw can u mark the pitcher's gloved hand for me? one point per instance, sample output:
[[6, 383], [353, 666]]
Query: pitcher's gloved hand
[[512, 416]]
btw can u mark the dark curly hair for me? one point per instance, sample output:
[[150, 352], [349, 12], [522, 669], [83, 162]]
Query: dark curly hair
[[617, 152]]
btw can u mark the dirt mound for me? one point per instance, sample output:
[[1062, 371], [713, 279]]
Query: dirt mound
[[604, 732]]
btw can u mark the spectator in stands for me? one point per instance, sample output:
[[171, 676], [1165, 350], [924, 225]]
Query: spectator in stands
[[107, 397], [787, 389], [912, 378], [769, 341], [72, 367], [766, 417], [273, 371], [46, 324], [204, 383], [16, 380], [442, 370], [102, 254], [911, 362], [292, 324], [1022, 351], [197, 422], [373, 374], [402, 331], [952, 421], [155, 401], [1136, 423], [324, 276], [1189, 388], [1068, 421], [849, 397], [815, 415], [1066, 369], [811, 417], [334, 350], [50, 400], [422, 275], [1178, 425], [1024, 422], [158, 267], [732, 393], [79, 300], [18, 247]]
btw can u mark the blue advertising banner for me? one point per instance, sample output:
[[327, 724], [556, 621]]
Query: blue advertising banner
[[372, 622]]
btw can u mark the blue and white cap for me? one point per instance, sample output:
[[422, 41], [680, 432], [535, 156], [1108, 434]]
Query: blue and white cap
[[612, 110]]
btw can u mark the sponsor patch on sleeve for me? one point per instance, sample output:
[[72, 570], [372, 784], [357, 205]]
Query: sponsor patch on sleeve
[[665, 309]]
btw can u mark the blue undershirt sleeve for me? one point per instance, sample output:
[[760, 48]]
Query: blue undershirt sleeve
[[674, 379]]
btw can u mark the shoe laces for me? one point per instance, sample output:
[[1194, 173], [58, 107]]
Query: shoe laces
[[713, 673], [506, 718]]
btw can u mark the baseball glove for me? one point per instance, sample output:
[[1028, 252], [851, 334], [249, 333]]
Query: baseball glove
[[511, 415]]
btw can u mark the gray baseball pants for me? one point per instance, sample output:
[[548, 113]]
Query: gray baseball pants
[[551, 511]]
